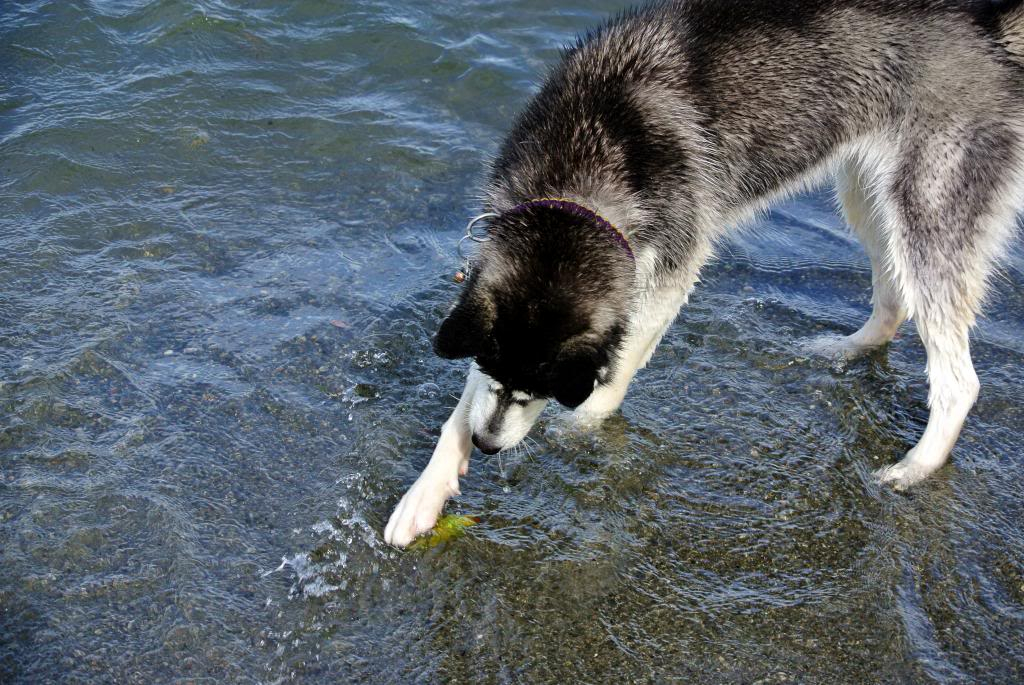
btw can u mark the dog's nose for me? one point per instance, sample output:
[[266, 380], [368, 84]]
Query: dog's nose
[[484, 446]]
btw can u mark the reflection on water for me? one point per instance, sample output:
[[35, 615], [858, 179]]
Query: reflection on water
[[228, 233]]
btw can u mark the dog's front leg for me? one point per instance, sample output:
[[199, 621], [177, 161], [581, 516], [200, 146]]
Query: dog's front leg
[[607, 396], [655, 313], [418, 510]]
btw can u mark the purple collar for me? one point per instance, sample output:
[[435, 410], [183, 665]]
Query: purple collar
[[579, 210]]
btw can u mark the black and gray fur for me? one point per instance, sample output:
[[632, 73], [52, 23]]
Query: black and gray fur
[[680, 120]]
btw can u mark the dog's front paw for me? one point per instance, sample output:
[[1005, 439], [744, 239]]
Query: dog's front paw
[[585, 420], [418, 511]]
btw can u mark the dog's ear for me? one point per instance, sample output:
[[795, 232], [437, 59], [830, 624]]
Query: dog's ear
[[463, 332], [574, 375]]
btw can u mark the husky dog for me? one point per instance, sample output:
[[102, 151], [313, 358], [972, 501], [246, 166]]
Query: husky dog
[[674, 122]]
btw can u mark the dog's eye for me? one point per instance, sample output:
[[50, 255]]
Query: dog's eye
[[521, 398]]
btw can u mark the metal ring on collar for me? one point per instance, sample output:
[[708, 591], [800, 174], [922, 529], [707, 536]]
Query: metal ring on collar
[[478, 237], [459, 248]]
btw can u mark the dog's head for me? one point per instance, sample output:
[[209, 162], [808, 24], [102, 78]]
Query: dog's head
[[543, 315]]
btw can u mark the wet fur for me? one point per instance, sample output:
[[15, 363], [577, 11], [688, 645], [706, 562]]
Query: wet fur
[[679, 121]]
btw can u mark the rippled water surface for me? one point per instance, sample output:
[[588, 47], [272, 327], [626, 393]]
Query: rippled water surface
[[227, 232]]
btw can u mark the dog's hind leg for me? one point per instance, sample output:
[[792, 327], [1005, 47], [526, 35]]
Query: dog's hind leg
[[953, 388], [865, 217], [953, 199]]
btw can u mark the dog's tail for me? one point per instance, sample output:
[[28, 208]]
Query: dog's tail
[[1010, 26]]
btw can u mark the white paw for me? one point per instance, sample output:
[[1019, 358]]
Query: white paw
[[832, 347], [903, 474], [420, 506], [570, 425], [587, 420]]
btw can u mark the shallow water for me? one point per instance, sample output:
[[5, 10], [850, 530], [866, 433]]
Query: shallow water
[[228, 231]]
